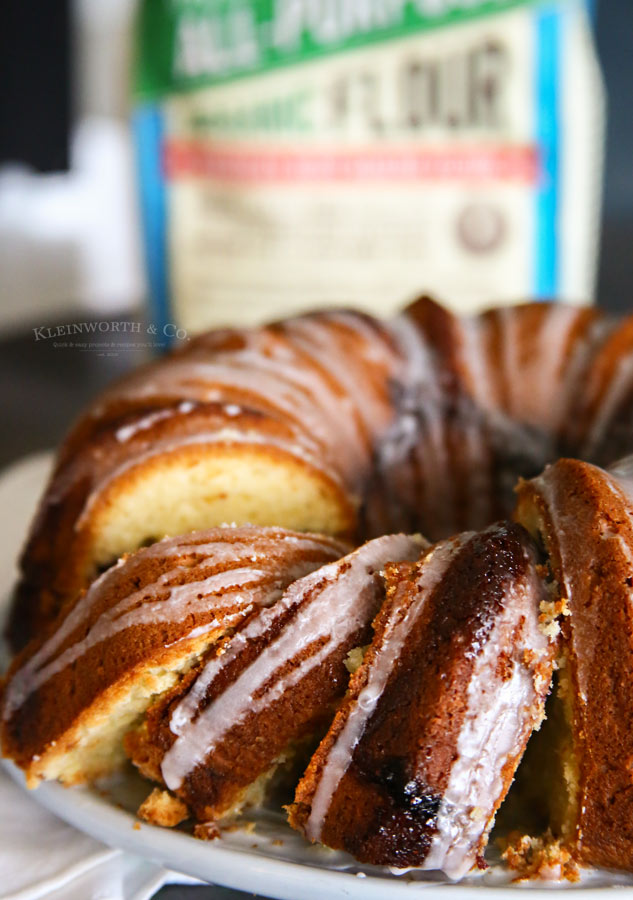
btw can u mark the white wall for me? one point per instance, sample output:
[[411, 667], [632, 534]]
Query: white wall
[[71, 241]]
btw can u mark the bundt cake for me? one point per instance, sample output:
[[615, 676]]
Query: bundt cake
[[135, 634], [334, 422], [426, 743], [582, 518], [290, 463]]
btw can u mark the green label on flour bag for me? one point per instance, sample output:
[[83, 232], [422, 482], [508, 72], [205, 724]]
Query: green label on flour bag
[[191, 43], [304, 153]]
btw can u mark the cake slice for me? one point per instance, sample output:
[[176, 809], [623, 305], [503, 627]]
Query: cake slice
[[140, 629], [582, 516], [426, 743], [216, 739], [268, 426]]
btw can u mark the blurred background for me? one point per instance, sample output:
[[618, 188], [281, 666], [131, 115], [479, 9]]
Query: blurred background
[[69, 219]]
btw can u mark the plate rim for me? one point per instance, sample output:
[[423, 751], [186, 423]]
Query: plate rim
[[86, 810]]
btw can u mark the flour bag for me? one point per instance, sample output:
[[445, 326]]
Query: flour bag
[[295, 154]]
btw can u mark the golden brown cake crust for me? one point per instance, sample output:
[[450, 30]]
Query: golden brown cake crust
[[385, 806], [586, 525], [277, 394], [487, 399], [300, 647], [600, 418], [158, 608], [436, 412], [251, 747], [57, 560]]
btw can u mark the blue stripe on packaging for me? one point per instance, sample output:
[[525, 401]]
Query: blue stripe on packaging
[[548, 86], [148, 130]]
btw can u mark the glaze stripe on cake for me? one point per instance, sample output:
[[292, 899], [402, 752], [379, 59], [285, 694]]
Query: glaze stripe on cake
[[329, 605], [393, 640]]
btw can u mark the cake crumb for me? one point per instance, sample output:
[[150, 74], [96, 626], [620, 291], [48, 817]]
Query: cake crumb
[[549, 611], [504, 667], [161, 808], [549, 617], [354, 659], [529, 658], [539, 857], [136, 826], [206, 831]]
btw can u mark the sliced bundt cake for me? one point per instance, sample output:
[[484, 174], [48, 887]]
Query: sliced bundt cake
[[426, 743], [582, 517], [136, 633], [268, 688]]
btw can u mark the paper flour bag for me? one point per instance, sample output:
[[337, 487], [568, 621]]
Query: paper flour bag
[[301, 153]]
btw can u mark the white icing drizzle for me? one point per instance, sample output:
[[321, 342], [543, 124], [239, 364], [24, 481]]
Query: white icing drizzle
[[356, 401], [546, 487], [481, 383], [618, 387], [500, 715], [232, 592], [544, 368], [577, 380], [393, 640], [331, 604], [245, 370], [570, 371], [533, 365], [318, 408], [482, 387], [510, 357], [622, 486], [565, 525], [376, 347], [575, 556], [297, 377], [271, 368], [309, 379], [418, 437], [418, 362], [223, 435], [292, 389], [622, 472], [126, 432], [316, 342], [179, 601]]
